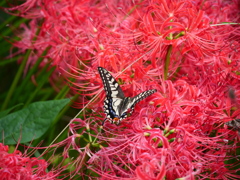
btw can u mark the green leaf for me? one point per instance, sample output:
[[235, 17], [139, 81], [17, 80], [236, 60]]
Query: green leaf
[[4, 113], [31, 122]]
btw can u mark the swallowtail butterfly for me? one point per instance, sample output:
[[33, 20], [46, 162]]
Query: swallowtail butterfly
[[116, 105]]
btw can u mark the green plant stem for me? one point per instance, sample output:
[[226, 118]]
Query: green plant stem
[[65, 109], [7, 21], [167, 62], [16, 80], [31, 72], [64, 91], [15, 25], [7, 61], [46, 93], [40, 85]]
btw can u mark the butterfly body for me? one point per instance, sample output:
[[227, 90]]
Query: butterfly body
[[116, 105], [115, 108]]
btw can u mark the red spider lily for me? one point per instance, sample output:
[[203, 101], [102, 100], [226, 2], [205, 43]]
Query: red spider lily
[[18, 166], [181, 132], [173, 141]]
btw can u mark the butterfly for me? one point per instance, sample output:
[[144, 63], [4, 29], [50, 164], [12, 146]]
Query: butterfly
[[116, 105]]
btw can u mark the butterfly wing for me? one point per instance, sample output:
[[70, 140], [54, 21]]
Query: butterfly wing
[[114, 96], [116, 105], [141, 96], [129, 103], [111, 86]]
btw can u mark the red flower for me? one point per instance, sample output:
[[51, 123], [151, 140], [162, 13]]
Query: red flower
[[18, 166], [173, 46]]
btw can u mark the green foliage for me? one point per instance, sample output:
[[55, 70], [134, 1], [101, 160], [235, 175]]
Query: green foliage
[[31, 122], [22, 85], [6, 112]]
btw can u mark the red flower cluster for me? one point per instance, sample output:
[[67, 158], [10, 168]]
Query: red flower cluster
[[16, 166], [181, 48]]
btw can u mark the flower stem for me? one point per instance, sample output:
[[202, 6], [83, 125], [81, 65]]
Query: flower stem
[[15, 81], [8, 61], [64, 91], [33, 70], [167, 62], [40, 85]]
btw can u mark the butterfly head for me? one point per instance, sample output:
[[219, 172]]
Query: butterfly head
[[116, 120]]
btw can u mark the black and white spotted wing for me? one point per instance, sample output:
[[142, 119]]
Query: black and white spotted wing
[[111, 86], [116, 105]]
